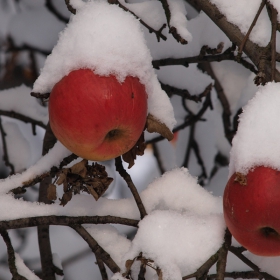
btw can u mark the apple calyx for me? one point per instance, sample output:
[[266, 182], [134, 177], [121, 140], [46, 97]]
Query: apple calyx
[[240, 178], [154, 125]]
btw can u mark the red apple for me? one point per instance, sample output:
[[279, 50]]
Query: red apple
[[97, 117], [252, 210]]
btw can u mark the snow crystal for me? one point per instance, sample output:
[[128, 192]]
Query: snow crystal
[[23, 270], [257, 139], [108, 40], [169, 238]]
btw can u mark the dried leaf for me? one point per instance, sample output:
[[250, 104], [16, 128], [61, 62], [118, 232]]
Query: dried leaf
[[128, 264], [51, 192], [137, 150], [159, 273], [240, 178], [62, 177], [93, 192], [67, 196], [80, 168], [154, 125]]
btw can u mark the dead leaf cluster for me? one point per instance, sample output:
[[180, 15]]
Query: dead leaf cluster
[[92, 179]]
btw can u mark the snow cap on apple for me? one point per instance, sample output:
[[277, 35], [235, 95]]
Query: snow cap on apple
[[252, 195], [108, 42]]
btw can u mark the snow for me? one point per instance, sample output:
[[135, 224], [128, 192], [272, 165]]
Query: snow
[[53, 158], [256, 142], [84, 44], [23, 270], [19, 100], [169, 238], [242, 13], [178, 18]]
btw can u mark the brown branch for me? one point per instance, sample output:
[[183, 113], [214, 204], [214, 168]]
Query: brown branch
[[102, 269], [158, 33], [99, 252], [172, 29], [158, 158], [65, 221], [49, 5], [202, 271], [238, 253], [70, 7], [189, 120], [23, 118], [226, 116], [273, 40], [5, 149], [241, 46], [43, 231], [11, 257], [252, 50], [131, 186], [222, 261]]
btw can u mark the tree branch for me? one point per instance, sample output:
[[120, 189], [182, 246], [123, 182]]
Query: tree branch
[[11, 256], [99, 252], [65, 221], [130, 184]]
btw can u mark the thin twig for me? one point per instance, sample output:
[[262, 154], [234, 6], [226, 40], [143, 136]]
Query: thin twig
[[49, 5], [21, 117], [158, 33], [99, 252], [273, 40], [102, 269], [158, 158], [70, 7], [189, 121], [130, 184], [222, 261], [43, 231], [241, 47], [5, 149], [11, 257]]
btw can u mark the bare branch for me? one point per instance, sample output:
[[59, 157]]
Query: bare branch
[[99, 252], [130, 184], [11, 257]]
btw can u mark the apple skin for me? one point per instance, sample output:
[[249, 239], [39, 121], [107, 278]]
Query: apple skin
[[252, 210], [96, 117]]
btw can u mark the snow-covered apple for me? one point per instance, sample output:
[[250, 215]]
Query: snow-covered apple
[[97, 117], [252, 210]]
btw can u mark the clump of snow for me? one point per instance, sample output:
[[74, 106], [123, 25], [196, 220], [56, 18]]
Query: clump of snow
[[23, 270], [52, 158], [257, 139], [169, 238], [242, 13], [19, 100], [178, 190], [178, 18], [108, 40]]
